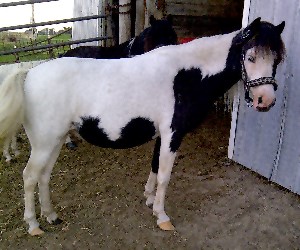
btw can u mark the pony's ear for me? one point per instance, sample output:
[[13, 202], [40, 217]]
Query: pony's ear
[[170, 19], [152, 20], [249, 32], [279, 28]]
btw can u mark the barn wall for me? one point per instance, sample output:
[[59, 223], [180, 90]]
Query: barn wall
[[87, 28], [191, 18], [196, 18], [269, 143]]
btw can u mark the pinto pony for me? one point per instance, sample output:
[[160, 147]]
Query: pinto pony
[[160, 33], [124, 103]]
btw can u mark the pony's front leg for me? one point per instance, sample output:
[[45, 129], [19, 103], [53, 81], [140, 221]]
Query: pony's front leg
[[166, 161], [150, 185]]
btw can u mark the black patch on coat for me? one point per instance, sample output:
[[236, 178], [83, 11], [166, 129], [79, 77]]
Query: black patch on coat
[[155, 158], [137, 132], [195, 95], [114, 52]]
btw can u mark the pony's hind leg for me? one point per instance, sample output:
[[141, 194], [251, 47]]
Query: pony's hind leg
[[44, 192], [13, 145], [150, 189], [6, 153], [151, 183], [12, 142], [38, 169]]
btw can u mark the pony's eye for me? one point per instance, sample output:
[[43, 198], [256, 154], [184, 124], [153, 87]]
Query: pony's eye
[[251, 59]]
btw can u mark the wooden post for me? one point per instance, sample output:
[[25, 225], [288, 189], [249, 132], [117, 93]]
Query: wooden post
[[139, 16], [124, 20], [101, 21], [109, 23], [154, 8]]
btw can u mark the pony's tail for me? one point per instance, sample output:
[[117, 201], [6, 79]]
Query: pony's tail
[[12, 103]]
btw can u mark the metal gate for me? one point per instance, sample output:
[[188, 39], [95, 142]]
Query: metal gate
[[81, 17]]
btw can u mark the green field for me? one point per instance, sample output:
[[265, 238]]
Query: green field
[[9, 41]]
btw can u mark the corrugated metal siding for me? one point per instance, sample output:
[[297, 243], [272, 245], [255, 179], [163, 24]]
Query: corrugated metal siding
[[269, 143]]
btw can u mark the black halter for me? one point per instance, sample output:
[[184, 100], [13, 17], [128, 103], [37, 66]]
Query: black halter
[[254, 83]]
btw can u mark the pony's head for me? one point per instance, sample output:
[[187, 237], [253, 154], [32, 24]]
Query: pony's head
[[160, 33], [262, 51]]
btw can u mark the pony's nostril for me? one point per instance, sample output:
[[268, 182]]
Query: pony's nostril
[[260, 100]]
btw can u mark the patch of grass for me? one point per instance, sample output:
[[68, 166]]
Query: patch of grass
[[11, 40]]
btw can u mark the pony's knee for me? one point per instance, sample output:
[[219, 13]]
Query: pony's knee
[[163, 178]]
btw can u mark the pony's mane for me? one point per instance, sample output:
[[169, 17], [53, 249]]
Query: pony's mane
[[266, 41]]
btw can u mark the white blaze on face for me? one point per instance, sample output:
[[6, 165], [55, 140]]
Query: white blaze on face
[[257, 65]]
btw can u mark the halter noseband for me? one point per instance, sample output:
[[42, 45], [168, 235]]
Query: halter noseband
[[254, 83]]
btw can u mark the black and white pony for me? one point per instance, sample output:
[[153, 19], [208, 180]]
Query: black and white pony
[[160, 33], [124, 103]]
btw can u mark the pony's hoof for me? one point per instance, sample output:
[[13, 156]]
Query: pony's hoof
[[57, 221], [36, 232], [8, 160], [166, 226]]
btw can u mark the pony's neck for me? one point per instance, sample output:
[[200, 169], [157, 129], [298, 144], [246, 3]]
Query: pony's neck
[[218, 60]]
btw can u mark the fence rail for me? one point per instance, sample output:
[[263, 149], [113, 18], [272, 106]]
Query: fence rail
[[31, 25], [24, 3], [49, 46], [40, 48]]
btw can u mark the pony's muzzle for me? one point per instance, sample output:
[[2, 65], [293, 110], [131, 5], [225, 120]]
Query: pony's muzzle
[[263, 97], [264, 108]]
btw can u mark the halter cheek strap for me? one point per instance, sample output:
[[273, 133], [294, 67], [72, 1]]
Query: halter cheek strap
[[254, 83]]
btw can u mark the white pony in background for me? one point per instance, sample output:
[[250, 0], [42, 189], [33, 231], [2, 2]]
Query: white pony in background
[[10, 145], [10, 142], [123, 103]]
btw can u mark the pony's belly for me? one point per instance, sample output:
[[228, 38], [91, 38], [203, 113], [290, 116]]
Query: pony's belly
[[136, 132]]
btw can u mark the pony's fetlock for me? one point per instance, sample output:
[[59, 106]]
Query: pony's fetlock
[[150, 200]]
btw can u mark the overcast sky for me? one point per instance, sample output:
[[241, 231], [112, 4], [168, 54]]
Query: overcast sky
[[47, 11]]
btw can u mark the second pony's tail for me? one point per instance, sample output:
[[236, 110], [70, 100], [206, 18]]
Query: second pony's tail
[[12, 103]]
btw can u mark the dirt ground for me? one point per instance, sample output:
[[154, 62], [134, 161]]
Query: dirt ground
[[214, 203]]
